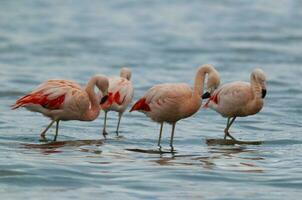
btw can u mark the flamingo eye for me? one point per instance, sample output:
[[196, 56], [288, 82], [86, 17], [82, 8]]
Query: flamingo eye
[[104, 99], [206, 95]]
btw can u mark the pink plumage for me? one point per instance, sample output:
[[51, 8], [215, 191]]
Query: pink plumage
[[65, 100], [239, 99], [171, 102], [50, 95], [120, 96]]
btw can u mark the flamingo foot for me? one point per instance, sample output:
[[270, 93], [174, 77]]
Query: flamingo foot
[[227, 134], [55, 138], [172, 148], [43, 138], [42, 135], [105, 133]]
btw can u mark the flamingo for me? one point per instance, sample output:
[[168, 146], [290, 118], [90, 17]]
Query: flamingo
[[238, 99], [120, 96], [171, 102], [65, 100]]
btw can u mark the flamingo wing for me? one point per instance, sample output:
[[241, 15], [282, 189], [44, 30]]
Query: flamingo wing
[[50, 94], [120, 91], [234, 95], [163, 96]]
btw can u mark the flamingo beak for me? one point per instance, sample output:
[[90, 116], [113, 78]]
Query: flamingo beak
[[206, 95], [263, 93], [104, 99]]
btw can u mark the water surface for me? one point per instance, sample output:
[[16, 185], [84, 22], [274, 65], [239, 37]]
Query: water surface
[[161, 41]]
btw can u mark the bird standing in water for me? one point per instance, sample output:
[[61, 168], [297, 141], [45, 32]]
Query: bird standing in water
[[65, 100], [238, 99], [171, 102], [120, 96]]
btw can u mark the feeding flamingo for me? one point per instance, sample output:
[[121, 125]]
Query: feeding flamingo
[[120, 96], [170, 102], [65, 100], [238, 99]]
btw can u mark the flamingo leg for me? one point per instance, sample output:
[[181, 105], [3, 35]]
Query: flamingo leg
[[46, 129], [226, 130], [57, 130], [160, 134], [172, 137], [118, 123], [104, 129]]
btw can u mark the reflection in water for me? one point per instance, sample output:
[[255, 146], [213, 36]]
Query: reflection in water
[[46, 40], [5, 173], [212, 142], [152, 151], [52, 147], [226, 156], [231, 158]]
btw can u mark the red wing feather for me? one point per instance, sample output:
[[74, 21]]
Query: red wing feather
[[117, 97], [41, 99], [141, 105], [114, 98]]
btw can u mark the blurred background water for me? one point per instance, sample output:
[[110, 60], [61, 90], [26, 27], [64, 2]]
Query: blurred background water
[[161, 41]]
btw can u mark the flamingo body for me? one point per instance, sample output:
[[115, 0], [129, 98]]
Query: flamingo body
[[57, 99], [168, 102], [239, 99], [120, 96], [235, 99], [64, 100], [171, 102], [120, 93]]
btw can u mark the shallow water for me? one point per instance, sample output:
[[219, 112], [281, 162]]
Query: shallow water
[[161, 42]]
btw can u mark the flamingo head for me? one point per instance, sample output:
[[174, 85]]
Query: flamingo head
[[103, 85], [104, 99], [125, 73], [212, 83]]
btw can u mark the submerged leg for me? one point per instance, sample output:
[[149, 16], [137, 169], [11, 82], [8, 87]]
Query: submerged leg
[[46, 129], [118, 123], [160, 133], [104, 128], [172, 136], [226, 130], [57, 130]]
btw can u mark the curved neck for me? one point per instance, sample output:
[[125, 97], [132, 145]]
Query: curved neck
[[199, 82], [257, 89], [94, 109]]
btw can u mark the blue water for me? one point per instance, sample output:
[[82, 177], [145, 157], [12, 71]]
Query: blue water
[[161, 41]]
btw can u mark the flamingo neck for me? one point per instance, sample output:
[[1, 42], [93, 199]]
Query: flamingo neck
[[257, 89], [94, 109], [199, 82]]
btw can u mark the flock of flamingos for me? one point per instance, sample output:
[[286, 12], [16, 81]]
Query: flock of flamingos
[[168, 102]]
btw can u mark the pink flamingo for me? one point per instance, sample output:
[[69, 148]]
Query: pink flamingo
[[170, 102], [65, 100], [238, 99], [120, 96]]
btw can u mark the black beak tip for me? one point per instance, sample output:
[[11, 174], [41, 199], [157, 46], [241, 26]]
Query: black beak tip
[[104, 99], [206, 95], [263, 93]]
